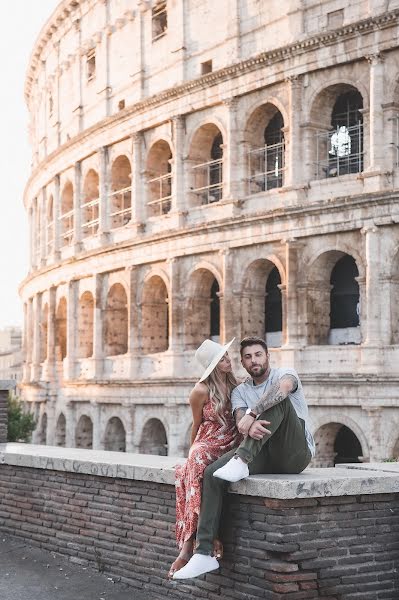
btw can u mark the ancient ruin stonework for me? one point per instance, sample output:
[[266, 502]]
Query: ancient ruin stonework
[[212, 169]]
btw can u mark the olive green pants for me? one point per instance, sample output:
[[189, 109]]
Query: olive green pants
[[284, 450]]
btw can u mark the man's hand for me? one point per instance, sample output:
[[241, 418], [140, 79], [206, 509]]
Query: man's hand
[[258, 429], [244, 424]]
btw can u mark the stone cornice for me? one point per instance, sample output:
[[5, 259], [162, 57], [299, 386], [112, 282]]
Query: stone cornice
[[261, 60]]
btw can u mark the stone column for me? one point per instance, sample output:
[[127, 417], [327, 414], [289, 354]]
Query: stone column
[[373, 301], [96, 416], [36, 308], [138, 195], [293, 151], [76, 91], [178, 181], [72, 329], [294, 320], [77, 214], [56, 217], [176, 306], [102, 39], [103, 228], [133, 341], [376, 116], [51, 317], [179, 41], [230, 317], [233, 166], [31, 217], [377, 452], [42, 212], [70, 425], [98, 344]]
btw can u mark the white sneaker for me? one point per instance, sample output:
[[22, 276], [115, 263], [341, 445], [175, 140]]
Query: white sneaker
[[235, 470], [196, 566]]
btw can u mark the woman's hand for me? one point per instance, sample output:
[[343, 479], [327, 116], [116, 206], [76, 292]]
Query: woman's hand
[[245, 424]]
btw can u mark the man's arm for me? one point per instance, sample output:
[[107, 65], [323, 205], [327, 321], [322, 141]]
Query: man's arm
[[275, 394]]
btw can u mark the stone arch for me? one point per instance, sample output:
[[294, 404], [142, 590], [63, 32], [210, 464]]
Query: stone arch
[[84, 433], [116, 321], [154, 439], [42, 433], [254, 319], [337, 111], [121, 192], [319, 296], [265, 146], [115, 435], [85, 325], [61, 330], [201, 306], [44, 333], [327, 92], [336, 443], [205, 162], [67, 217], [159, 178], [90, 203], [60, 431], [155, 315]]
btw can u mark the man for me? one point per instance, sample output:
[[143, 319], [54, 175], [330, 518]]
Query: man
[[271, 412]]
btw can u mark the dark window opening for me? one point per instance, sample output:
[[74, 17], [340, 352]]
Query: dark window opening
[[273, 306], [346, 142], [215, 310], [121, 104], [347, 447], [345, 297], [91, 65], [159, 20], [206, 67]]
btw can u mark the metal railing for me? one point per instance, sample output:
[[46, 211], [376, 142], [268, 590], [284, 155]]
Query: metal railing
[[340, 151], [121, 207], [266, 167], [90, 217], [160, 189], [208, 181], [67, 226]]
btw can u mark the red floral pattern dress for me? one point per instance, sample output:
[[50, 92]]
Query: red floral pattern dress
[[212, 440]]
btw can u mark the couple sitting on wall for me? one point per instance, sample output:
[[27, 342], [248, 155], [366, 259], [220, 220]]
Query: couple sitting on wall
[[258, 426]]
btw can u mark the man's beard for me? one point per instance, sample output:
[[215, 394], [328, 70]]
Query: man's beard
[[259, 372]]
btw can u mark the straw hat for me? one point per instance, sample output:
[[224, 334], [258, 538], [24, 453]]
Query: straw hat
[[209, 354]]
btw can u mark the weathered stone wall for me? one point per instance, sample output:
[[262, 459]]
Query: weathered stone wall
[[3, 415], [336, 541]]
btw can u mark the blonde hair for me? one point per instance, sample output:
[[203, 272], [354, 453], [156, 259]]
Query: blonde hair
[[215, 383]]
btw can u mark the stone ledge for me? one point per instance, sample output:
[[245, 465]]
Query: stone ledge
[[345, 480]]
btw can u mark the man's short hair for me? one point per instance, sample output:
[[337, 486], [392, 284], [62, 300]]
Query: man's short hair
[[252, 341]]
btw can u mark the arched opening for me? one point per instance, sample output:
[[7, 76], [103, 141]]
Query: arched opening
[[261, 306], [202, 310], [336, 444], [120, 197], [116, 321], [50, 225], [339, 142], [273, 310], [42, 434], [264, 136], [67, 214], [60, 431], [206, 159], [61, 330], [154, 439], [332, 299], [345, 303], [115, 436], [90, 204], [85, 325], [84, 433], [159, 179], [155, 316], [395, 452], [44, 334]]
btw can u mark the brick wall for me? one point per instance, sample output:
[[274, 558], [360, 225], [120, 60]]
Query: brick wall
[[335, 548], [3, 414]]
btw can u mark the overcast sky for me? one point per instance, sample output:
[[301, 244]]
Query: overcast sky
[[21, 21]]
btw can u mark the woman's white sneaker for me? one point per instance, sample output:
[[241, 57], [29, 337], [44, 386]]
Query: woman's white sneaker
[[234, 470], [196, 566]]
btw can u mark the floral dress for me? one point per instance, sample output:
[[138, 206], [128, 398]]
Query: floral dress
[[212, 440]]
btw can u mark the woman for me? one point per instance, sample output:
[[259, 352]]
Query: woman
[[213, 433]]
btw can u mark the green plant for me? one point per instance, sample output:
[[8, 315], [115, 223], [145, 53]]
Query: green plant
[[20, 423]]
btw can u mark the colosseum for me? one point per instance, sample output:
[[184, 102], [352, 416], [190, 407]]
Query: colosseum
[[212, 169]]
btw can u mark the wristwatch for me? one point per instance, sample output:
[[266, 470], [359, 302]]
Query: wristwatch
[[249, 411]]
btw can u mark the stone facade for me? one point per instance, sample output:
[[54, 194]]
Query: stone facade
[[201, 171]]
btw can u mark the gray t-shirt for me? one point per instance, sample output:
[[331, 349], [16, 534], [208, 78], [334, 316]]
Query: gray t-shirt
[[247, 395]]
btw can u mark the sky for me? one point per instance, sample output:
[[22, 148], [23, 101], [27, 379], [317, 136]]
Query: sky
[[20, 24]]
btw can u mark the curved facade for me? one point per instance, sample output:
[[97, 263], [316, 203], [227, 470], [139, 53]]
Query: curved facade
[[212, 169]]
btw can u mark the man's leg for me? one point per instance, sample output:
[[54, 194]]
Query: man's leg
[[208, 523]]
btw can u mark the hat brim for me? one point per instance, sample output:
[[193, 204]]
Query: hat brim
[[215, 361]]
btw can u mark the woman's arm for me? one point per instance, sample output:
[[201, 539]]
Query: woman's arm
[[197, 399]]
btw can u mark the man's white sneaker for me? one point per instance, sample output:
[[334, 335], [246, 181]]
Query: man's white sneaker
[[234, 470], [196, 566]]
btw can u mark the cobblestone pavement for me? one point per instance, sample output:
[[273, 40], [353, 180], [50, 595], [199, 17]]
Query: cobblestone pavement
[[28, 573]]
